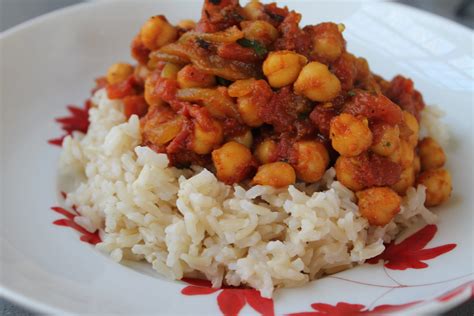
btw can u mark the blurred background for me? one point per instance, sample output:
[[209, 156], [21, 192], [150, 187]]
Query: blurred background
[[13, 12]]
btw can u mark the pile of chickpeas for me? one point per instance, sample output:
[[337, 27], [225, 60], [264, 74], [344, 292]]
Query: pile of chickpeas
[[239, 157]]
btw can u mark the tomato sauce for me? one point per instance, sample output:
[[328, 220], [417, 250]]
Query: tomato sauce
[[402, 91], [139, 51], [375, 170], [374, 107], [170, 114]]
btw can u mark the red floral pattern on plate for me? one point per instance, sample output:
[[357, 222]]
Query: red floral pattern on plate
[[456, 292], [78, 120], [231, 300], [386, 308], [410, 253], [340, 309], [346, 309], [68, 221]]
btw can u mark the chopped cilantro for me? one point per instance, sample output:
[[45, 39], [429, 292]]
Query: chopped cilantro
[[351, 93], [276, 17], [258, 47], [223, 82]]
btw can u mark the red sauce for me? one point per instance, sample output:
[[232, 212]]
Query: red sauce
[[285, 148], [233, 128], [218, 15], [123, 89], [135, 104], [273, 14], [180, 143], [235, 51], [377, 129], [166, 89], [375, 107], [305, 128], [139, 51], [345, 70], [321, 116], [292, 37], [402, 91], [178, 150], [201, 115], [280, 110], [375, 170]]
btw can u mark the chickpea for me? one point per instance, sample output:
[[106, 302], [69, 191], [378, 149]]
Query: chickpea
[[233, 161], [409, 129], [207, 138], [347, 173], [431, 154], [282, 67], [245, 139], [350, 135], [407, 179], [388, 140], [141, 72], [328, 42], [438, 186], [327, 48], [162, 132], [241, 88], [266, 151], [170, 71], [150, 96], [312, 160], [192, 77], [253, 10], [249, 111], [276, 174], [157, 32], [416, 164], [378, 205], [187, 24], [407, 154], [317, 83], [260, 30], [396, 155], [119, 72]]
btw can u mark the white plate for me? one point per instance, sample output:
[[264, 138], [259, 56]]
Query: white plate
[[51, 61]]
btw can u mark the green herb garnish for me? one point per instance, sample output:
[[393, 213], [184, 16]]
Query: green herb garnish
[[223, 82], [258, 47], [351, 93]]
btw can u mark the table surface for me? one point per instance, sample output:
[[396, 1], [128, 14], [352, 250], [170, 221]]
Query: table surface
[[13, 12]]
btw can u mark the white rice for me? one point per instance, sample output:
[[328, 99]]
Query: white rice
[[186, 222], [431, 126]]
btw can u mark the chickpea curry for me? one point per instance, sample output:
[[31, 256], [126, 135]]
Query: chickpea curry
[[250, 94]]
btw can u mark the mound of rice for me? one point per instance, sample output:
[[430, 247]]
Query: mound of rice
[[187, 223]]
